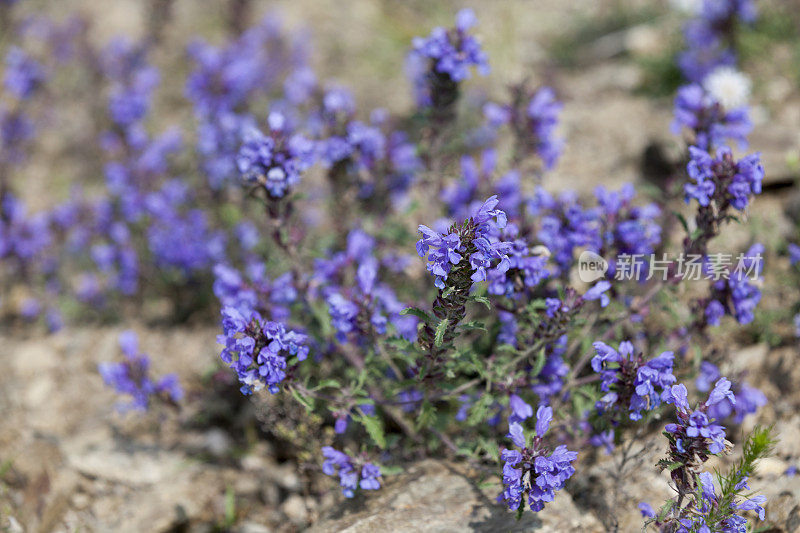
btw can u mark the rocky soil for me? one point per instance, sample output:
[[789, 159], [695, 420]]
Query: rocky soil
[[70, 462]]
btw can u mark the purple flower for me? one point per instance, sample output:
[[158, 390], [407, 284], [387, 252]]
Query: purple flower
[[709, 35], [442, 252], [516, 434], [604, 439], [348, 468], [340, 425], [370, 477], [740, 293], [794, 254], [626, 375], [410, 400], [711, 125], [545, 472], [754, 504], [184, 241], [625, 228], [23, 75], [709, 373], [544, 415], [598, 292], [255, 63], [508, 328], [722, 178], [132, 377], [460, 195], [343, 315], [543, 115], [258, 350], [16, 131], [218, 140], [745, 401], [520, 410], [300, 85], [275, 161], [695, 431], [714, 312], [478, 233], [565, 225], [721, 391], [496, 115], [550, 380], [523, 265], [445, 57], [707, 504]]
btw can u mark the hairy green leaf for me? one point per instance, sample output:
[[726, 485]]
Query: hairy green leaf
[[441, 329]]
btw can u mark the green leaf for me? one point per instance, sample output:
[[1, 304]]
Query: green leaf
[[479, 410], [584, 398], [447, 291], [230, 507], [427, 415], [682, 220], [305, 401], [490, 447], [323, 318], [417, 312], [469, 326], [539, 363], [537, 304], [391, 470], [482, 300], [5, 467], [441, 329], [374, 427], [362, 378], [673, 465], [327, 384], [399, 343]]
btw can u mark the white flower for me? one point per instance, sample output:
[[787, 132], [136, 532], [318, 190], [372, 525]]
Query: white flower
[[688, 7], [728, 86]]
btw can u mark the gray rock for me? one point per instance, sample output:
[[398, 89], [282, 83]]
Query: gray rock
[[285, 475], [217, 442], [783, 500], [131, 466], [443, 497], [295, 509], [784, 512], [253, 527]]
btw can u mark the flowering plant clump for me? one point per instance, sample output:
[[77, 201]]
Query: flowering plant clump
[[540, 474], [257, 349], [441, 61], [711, 36], [526, 303], [533, 122], [696, 437], [274, 161], [132, 378], [629, 380], [348, 469], [728, 181], [710, 122]]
